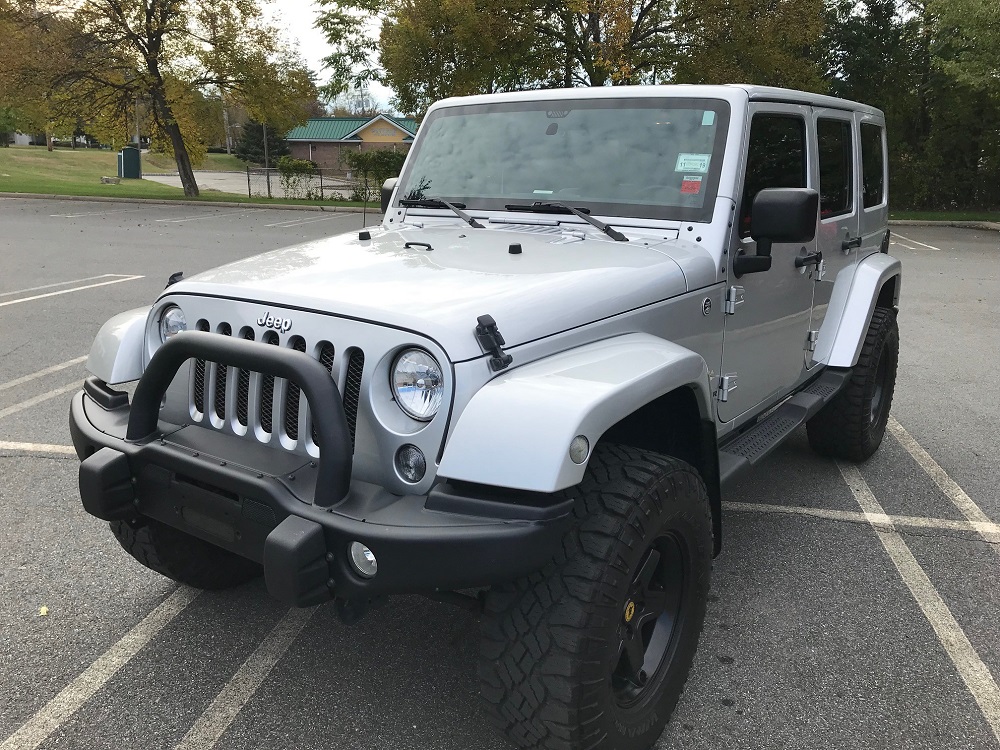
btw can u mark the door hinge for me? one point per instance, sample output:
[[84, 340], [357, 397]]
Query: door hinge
[[811, 338], [492, 342], [734, 296], [727, 384], [821, 270]]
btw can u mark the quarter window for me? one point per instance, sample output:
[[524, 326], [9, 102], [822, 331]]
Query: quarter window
[[872, 162], [836, 174], [776, 158]]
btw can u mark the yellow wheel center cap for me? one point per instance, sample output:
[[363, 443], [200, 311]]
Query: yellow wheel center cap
[[629, 611]]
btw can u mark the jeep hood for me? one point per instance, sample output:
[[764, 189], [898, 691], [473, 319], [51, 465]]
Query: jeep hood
[[562, 278]]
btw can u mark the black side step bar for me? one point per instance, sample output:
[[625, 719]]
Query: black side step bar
[[749, 448]]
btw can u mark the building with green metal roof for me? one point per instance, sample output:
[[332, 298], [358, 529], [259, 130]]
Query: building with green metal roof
[[325, 140]]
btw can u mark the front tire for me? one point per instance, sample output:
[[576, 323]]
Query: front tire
[[853, 424], [182, 557], [594, 650]]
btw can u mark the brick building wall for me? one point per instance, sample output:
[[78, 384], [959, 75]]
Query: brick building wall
[[330, 155]]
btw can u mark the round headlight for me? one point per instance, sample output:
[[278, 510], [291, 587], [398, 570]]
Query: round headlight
[[172, 322], [417, 384]]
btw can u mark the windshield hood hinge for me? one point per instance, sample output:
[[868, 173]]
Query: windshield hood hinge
[[492, 343]]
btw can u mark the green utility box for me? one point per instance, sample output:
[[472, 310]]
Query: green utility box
[[128, 163]]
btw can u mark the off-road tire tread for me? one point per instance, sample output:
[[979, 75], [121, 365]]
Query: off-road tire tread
[[182, 557], [537, 634], [841, 428]]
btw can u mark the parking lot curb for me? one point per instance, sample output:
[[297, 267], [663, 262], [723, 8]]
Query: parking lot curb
[[170, 202], [991, 225]]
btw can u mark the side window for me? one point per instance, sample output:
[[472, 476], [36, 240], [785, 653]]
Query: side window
[[836, 173], [872, 161], [776, 158]]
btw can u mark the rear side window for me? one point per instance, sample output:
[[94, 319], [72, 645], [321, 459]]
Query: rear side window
[[776, 158], [872, 161], [836, 173]]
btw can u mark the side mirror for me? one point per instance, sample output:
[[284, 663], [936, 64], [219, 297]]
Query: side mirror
[[387, 187], [783, 215]]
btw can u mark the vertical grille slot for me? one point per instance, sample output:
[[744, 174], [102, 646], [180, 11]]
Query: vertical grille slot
[[243, 386], [199, 375], [267, 391], [352, 389], [220, 378], [327, 354], [292, 397]]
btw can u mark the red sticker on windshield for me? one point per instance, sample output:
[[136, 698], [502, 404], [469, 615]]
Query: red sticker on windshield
[[691, 185]]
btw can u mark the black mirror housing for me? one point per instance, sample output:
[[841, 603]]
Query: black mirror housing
[[387, 187], [783, 215]]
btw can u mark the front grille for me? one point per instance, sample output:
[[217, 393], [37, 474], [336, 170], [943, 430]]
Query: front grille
[[262, 402], [243, 387], [293, 396], [220, 379], [352, 389]]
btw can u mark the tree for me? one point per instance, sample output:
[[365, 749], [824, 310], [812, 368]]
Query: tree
[[770, 43], [429, 49], [971, 30], [169, 54], [250, 147]]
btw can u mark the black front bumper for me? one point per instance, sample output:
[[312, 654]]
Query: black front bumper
[[261, 503]]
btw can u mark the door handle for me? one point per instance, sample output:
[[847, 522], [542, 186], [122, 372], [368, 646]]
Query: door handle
[[813, 259], [848, 244]]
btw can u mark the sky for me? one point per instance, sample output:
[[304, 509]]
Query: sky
[[296, 17]]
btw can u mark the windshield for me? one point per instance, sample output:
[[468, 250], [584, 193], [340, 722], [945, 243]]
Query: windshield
[[646, 158]]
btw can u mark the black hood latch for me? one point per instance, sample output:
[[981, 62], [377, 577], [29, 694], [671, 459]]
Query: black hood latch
[[492, 343]]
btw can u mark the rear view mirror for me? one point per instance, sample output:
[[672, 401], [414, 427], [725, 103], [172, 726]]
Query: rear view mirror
[[783, 215], [387, 187]]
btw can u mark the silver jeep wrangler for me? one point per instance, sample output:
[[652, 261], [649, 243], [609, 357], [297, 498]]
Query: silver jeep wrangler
[[584, 313]]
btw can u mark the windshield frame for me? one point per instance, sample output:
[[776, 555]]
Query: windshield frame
[[703, 213]]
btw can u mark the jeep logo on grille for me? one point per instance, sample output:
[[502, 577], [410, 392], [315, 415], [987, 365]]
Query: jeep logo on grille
[[279, 324]]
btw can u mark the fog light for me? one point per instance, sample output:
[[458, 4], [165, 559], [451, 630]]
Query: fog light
[[410, 463], [579, 449], [363, 560]]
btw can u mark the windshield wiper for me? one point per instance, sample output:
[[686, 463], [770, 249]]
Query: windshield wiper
[[440, 203], [555, 207]]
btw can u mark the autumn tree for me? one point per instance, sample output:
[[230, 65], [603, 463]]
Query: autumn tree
[[431, 49], [169, 54]]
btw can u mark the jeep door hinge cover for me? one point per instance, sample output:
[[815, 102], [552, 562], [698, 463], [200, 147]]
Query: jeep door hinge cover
[[492, 342], [811, 338], [735, 296], [727, 384]]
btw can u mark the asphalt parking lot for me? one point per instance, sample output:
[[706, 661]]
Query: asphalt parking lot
[[851, 607]]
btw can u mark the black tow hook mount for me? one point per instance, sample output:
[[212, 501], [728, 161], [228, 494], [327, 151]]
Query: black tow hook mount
[[492, 343], [350, 610]]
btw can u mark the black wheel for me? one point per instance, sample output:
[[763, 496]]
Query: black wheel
[[182, 557], [593, 650], [853, 424]]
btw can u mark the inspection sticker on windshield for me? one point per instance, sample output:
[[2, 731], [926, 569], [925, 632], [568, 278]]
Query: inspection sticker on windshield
[[691, 185], [693, 163]]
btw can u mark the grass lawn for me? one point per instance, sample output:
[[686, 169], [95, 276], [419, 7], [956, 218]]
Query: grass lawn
[[946, 215], [33, 169]]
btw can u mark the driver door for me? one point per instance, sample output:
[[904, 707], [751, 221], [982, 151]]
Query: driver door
[[768, 312]]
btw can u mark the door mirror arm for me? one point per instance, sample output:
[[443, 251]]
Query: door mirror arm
[[744, 263]]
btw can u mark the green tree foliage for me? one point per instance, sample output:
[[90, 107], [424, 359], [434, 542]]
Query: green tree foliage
[[295, 177], [429, 49], [102, 57], [372, 168], [771, 43], [970, 34], [250, 146], [8, 123], [923, 65]]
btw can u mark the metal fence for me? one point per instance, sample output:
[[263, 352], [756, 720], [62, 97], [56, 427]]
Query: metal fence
[[318, 185]]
